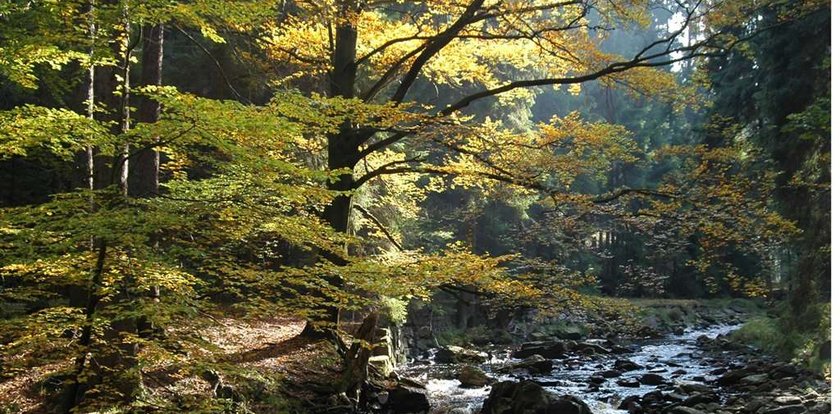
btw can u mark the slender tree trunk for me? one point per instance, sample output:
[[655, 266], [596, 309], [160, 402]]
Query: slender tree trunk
[[144, 179], [115, 376]]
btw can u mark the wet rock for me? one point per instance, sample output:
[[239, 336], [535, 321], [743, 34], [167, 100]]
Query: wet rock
[[472, 377], [679, 372], [597, 379], [732, 377], [568, 404], [652, 397], [787, 400], [651, 379], [456, 355], [755, 379], [785, 371], [788, 409], [534, 365], [697, 399], [691, 388], [629, 402], [610, 373], [685, 410], [631, 383], [405, 399], [626, 365], [527, 397], [550, 350]]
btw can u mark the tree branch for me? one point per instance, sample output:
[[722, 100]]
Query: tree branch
[[368, 215]]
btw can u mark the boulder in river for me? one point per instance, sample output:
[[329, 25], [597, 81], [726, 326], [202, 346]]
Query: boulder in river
[[527, 397], [534, 365], [626, 365], [610, 373], [685, 410], [788, 409], [755, 379], [545, 349], [456, 355], [652, 379], [405, 399], [631, 383], [472, 377]]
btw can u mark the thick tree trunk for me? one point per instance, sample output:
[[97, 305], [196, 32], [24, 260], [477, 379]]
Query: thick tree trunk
[[144, 179], [343, 151]]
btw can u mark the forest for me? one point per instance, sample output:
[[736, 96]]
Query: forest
[[400, 206]]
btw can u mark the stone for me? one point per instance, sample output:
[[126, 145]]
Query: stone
[[785, 371], [651, 379], [788, 409], [628, 383], [545, 349], [456, 355], [568, 404], [383, 364], [404, 399], [626, 365], [697, 399], [508, 397], [685, 410], [691, 388], [610, 373], [755, 379], [653, 396], [534, 365], [628, 402], [732, 377], [472, 377], [787, 400]]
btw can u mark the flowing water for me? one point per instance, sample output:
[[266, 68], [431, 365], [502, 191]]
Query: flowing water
[[667, 357]]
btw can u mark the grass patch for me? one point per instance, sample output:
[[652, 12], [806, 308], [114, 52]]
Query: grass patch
[[788, 339]]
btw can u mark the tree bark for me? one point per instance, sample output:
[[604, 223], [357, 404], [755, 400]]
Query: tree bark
[[144, 179], [343, 150]]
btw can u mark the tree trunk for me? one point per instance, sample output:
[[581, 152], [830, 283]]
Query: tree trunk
[[144, 179], [343, 151], [116, 372]]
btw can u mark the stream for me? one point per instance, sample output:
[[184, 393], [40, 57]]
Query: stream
[[674, 357]]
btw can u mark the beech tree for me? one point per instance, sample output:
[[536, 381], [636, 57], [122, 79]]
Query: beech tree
[[382, 53]]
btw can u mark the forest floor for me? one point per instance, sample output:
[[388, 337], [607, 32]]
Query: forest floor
[[269, 346]]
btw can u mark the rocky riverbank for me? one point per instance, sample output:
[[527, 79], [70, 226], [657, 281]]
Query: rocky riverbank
[[685, 364]]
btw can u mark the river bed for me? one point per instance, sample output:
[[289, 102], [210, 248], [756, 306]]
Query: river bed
[[675, 357]]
